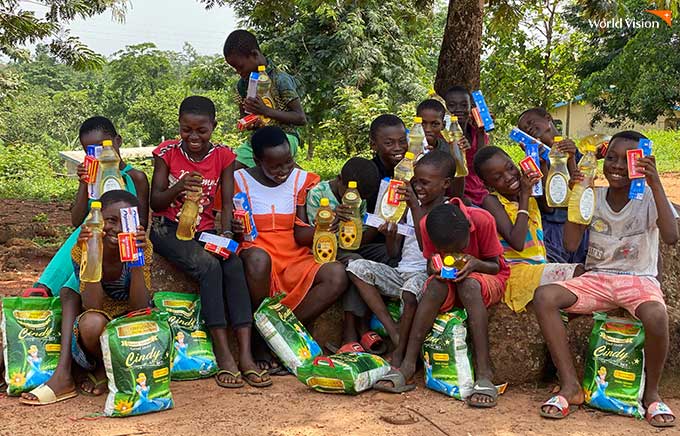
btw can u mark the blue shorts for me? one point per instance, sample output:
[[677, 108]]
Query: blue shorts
[[79, 355]]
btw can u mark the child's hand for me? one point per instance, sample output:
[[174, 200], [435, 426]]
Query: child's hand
[[343, 213], [256, 106], [140, 236], [405, 193], [85, 234], [647, 166], [471, 265], [576, 176], [527, 182], [389, 229], [566, 146], [192, 181], [464, 144], [237, 226], [81, 171]]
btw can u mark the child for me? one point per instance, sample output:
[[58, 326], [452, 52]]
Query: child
[[518, 220], [242, 52], [471, 232], [621, 269], [123, 288], [279, 259], [365, 173], [181, 166], [538, 123], [374, 280], [59, 278], [458, 103]]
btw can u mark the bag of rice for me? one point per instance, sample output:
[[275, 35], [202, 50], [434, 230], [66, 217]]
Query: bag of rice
[[348, 373], [137, 355], [614, 379], [193, 352], [285, 335], [447, 358], [394, 308], [31, 338]]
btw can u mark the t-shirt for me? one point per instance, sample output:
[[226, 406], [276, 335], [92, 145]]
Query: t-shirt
[[210, 167], [484, 243], [474, 187], [624, 242], [320, 191], [412, 259]]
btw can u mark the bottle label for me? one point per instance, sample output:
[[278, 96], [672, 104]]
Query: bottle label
[[324, 214], [111, 184], [558, 188], [325, 247], [351, 196], [587, 204], [348, 233], [392, 198]]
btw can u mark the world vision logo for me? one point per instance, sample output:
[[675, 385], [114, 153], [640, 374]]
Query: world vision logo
[[631, 23], [665, 15]]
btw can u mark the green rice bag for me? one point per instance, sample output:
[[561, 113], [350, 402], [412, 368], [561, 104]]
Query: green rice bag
[[348, 373], [447, 358], [31, 337], [193, 352], [395, 309], [285, 335], [137, 355], [614, 379]]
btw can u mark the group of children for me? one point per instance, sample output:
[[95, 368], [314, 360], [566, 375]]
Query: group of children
[[513, 248]]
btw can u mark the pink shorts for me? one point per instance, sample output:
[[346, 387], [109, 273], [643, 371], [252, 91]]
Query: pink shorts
[[601, 292], [492, 289]]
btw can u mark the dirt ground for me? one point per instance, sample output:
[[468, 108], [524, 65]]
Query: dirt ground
[[29, 236]]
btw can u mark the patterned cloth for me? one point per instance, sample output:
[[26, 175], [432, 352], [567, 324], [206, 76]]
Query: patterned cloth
[[389, 282]]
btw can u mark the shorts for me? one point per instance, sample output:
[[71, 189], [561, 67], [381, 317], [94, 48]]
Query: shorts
[[389, 282], [79, 355], [601, 292], [492, 289], [525, 278]]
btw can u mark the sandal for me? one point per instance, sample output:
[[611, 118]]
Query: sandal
[[261, 384], [486, 388], [45, 395], [95, 384], [659, 408], [561, 404], [399, 384], [224, 384], [350, 347], [373, 343]]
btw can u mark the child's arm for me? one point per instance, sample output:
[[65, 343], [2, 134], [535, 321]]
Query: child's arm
[[490, 266], [304, 235], [668, 227], [139, 291], [573, 233], [227, 182], [514, 234], [142, 186], [409, 196], [79, 209], [162, 195], [295, 115], [393, 240]]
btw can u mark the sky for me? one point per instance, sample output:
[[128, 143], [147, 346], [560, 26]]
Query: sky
[[167, 23]]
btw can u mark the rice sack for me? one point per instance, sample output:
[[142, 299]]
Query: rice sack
[[285, 335], [614, 379], [193, 352], [31, 338], [345, 373], [137, 356], [394, 308], [446, 356]]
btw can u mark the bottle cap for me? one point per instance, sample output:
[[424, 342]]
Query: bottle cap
[[260, 68], [107, 143], [558, 139], [432, 92], [96, 205], [449, 261], [324, 202], [417, 120], [409, 155], [352, 185], [454, 118]]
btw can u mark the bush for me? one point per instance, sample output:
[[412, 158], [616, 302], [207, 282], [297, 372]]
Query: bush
[[666, 149]]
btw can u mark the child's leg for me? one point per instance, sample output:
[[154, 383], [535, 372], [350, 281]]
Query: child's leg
[[91, 325], [411, 292], [354, 323], [655, 320], [329, 285], [258, 269]]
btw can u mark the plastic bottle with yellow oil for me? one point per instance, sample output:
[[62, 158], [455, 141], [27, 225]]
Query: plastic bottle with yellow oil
[[109, 167], [186, 227], [416, 137], [452, 264], [325, 245], [391, 208], [557, 184], [350, 231], [582, 198], [453, 133], [93, 253], [264, 89], [598, 140]]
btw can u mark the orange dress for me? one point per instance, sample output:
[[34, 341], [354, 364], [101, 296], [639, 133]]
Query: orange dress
[[274, 211]]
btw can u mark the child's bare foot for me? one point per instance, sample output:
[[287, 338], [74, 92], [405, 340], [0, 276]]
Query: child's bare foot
[[94, 384], [571, 393], [61, 383]]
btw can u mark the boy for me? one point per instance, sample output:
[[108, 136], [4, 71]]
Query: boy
[[458, 103], [621, 272], [242, 52], [538, 123], [471, 232], [374, 280]]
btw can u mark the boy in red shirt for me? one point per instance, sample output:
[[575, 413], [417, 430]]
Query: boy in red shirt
[[451, 229]]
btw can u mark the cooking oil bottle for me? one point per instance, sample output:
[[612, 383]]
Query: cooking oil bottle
[[109, 166], [351, 231], [325, 245], [557, 185], [392, 208], [92, 255], [582, 198]]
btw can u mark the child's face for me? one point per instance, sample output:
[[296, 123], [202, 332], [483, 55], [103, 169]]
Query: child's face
[[615, 166], [112, 225], [429, 183], [433, 123], [458, 103], [97, 137], [195, 131], [501, 174], [390, 143], [244, 64], [455, 247], [538, 126], [277, 163]]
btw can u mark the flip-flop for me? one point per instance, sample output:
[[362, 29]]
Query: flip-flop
[[659, 408], [483, 387], [399, 384], [561, 404], [350, 347], [95, 384], [45, 395], [277, 371], [260, 384], [222, 384], [373, 343]]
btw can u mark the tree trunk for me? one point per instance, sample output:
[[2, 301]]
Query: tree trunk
[[461, 46]]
